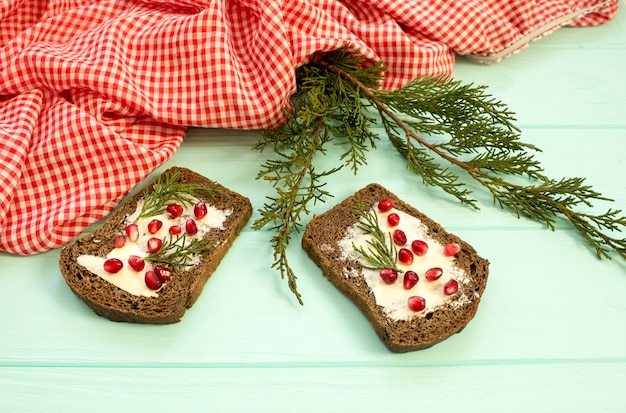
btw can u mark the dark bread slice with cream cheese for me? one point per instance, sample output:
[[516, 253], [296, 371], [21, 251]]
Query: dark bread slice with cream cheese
[[322, 240], [184, 287]]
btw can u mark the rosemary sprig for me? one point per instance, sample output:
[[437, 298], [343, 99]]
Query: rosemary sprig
[[167, 189], [438, 126], [177, 254], [381, 251]]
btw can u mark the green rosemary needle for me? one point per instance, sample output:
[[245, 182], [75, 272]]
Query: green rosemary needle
[[167, 189], [381, 251], [176, 253]]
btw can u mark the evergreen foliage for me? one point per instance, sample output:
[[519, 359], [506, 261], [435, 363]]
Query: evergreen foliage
[[430, 122]]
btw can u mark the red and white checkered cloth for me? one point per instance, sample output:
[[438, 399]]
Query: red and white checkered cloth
[[94, 95]]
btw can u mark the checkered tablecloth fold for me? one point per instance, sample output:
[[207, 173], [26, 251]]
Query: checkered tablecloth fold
[[95, 95]]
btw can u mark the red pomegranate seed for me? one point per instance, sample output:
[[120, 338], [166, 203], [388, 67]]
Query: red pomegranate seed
[[434, 274], [416, 303], [399, 237], [154, 226], [175, 210], [389, 275], [154, 245], [405, 256], [190, 227], [175, 230], [152, 280], [385, 205], [113, 265], [451, 287], [410, 279], [200, 210], [132, 232], [119, 241], [393, 219], [451, 249], [136, 262], [164, 274], [419, 247]]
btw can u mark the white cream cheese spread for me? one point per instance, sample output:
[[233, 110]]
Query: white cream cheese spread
[[133, 281], [393, 297]]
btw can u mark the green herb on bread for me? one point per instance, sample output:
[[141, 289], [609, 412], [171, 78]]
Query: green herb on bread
[[167, 189], [178, 252], [381, 251]]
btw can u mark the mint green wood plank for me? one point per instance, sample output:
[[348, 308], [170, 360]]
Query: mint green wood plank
[[542, 387]]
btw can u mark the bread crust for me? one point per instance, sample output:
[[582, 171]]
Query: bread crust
[[178, 294], [320, 241]]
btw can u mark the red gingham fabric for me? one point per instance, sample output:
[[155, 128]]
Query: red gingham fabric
[[94, 95]]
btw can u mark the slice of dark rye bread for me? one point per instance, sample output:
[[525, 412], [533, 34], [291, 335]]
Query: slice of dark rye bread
[[321, 242], [176, 295]]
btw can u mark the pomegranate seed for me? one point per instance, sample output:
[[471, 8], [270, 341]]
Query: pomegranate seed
[[389, 275], [132, 232], [434, 274], [164, 274], [419, 247], [136, 262], [385, 205], [410, 279], [399, 237], [119, 241], [451, 249], [175, 229], [154, 226], [451, 287], [175, 210], [200, 210], [416, 303], [190, 227], [152, 280], [405, 256], [113, 265], [393, 219], [154, 245]]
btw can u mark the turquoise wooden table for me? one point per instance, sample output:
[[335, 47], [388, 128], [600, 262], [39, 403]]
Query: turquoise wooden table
[[549, 336]]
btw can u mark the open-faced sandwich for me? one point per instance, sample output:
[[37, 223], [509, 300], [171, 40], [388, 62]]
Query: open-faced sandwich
[[416, 283], [151, 258]]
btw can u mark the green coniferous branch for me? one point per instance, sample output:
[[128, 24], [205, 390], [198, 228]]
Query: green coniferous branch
[[499, 152], [297, 184], [325, 109], [429, 122]]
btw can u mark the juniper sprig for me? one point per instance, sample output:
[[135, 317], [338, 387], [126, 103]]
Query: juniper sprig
[[439, 126]]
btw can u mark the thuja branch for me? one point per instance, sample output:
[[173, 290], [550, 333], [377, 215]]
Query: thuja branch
[[297, 184], [323, 110], [430, 122], [541, 202]]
